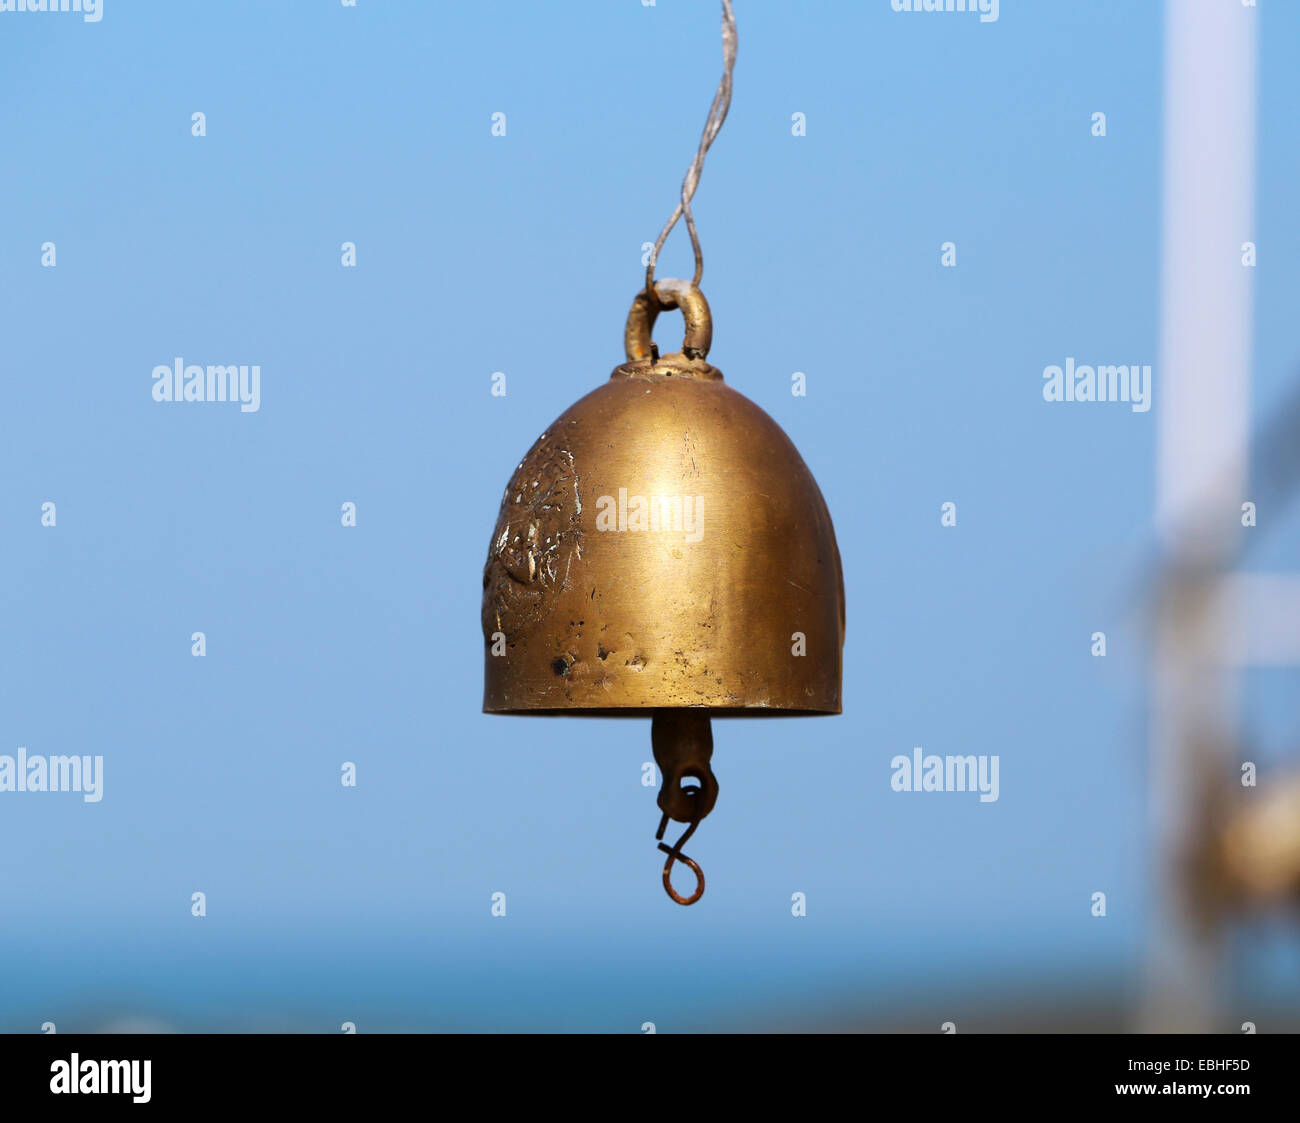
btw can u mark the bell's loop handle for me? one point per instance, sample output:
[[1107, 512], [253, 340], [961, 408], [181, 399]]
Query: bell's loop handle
[[669, 293]]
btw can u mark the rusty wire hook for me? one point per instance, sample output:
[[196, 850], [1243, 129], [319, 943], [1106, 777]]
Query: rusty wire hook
[[675, 854]]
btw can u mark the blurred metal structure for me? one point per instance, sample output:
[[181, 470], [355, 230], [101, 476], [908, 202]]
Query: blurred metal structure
[[1202, 446], [1223, 850]]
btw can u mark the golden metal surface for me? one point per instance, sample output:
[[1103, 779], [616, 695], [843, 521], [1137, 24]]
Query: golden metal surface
[[699, 602], [1258, 845]]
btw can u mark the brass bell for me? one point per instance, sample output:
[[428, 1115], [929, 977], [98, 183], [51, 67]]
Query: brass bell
[[662, 549]]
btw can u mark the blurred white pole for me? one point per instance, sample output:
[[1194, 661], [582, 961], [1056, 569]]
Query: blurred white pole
[[1259, 613], [1201, 401]]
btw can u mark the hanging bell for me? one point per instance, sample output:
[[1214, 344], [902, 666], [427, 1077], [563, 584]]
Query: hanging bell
[[663, 550]]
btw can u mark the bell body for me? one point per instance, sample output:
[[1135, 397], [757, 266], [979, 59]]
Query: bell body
[[661, 546]]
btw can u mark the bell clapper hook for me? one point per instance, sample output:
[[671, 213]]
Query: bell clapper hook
[[683, 745], [675, 854]]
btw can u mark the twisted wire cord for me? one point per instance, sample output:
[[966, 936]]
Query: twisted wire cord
[[717, 114]]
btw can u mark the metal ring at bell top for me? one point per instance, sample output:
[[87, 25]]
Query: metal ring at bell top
[[669, 293]]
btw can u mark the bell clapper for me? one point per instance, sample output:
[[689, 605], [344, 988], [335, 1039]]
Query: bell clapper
[[683, 745]]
